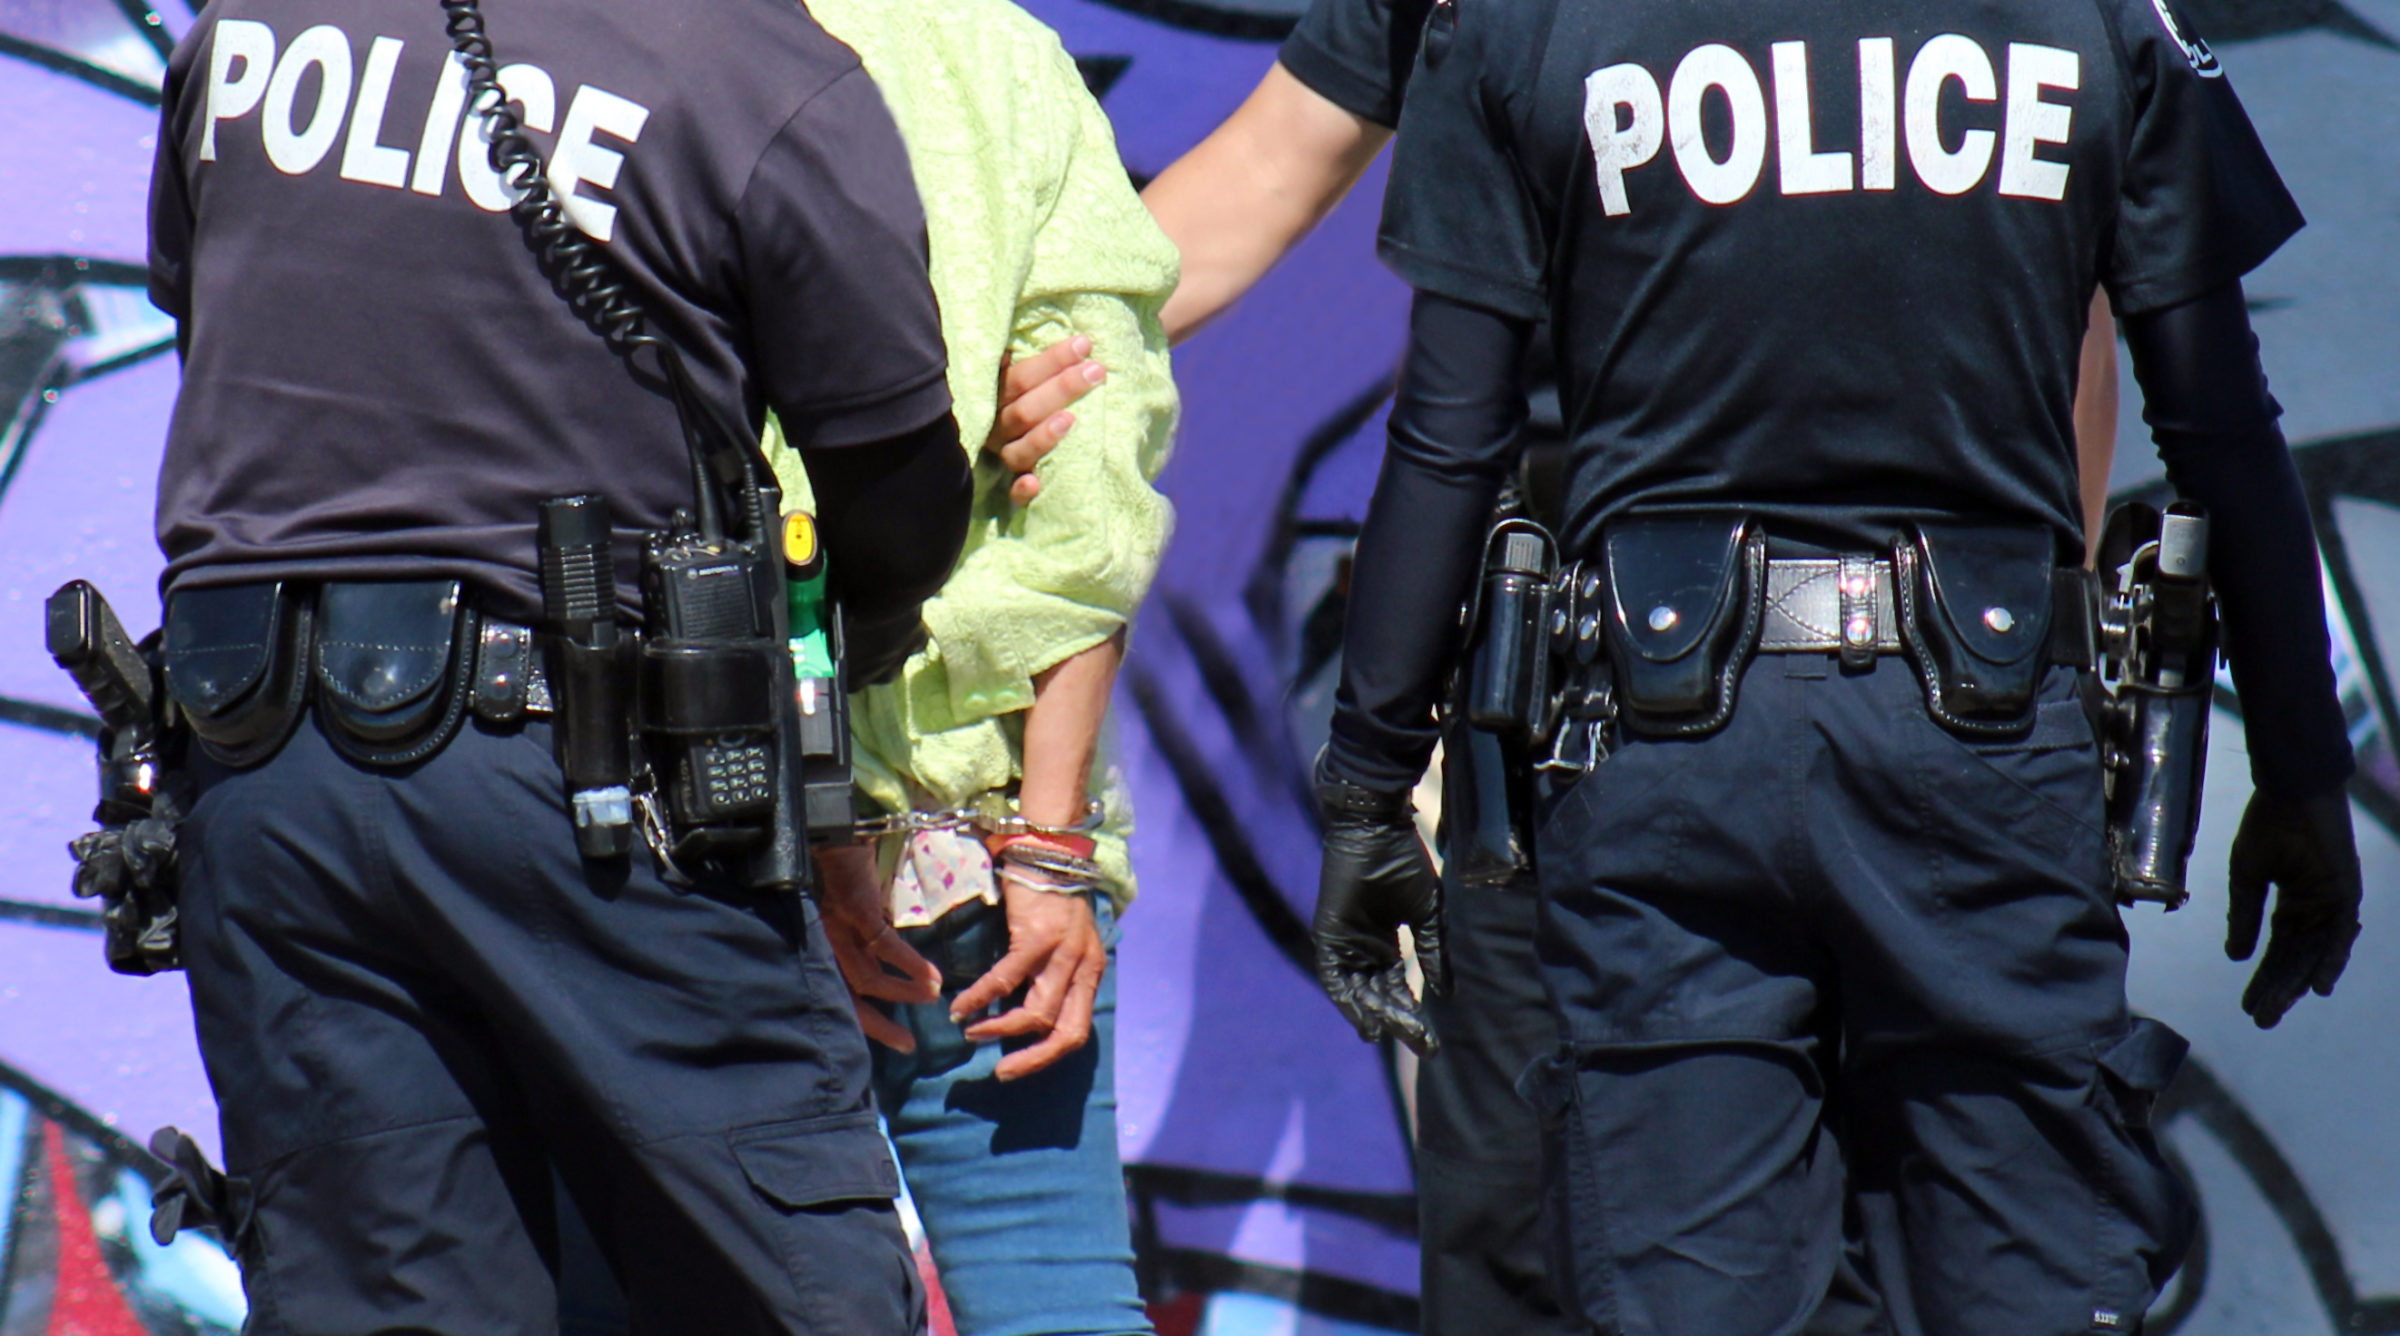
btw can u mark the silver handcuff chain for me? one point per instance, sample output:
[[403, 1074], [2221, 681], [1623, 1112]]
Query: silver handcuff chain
[[983, 820]]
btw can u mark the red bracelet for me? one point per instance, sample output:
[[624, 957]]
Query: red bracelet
[[1080, 846]]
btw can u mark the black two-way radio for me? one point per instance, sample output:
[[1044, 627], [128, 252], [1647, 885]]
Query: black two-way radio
[[716, 697]]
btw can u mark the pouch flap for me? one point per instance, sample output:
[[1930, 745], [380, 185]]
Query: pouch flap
[[2148, 1057], [1992, 584], [813, 1161], [2139, 1066], [1670, 578], [384, 645], [219, 643]]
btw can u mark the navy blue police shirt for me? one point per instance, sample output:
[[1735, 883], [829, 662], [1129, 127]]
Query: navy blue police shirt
[[1357, 54], [378, 380], [1833, 262]]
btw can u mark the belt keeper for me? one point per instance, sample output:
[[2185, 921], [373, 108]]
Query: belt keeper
[[1860, 633]]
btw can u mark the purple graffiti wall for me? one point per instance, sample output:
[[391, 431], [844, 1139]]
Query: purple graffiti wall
[[1268, 1148]]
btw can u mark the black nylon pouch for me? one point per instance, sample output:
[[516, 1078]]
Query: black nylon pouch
[[1684, 604], [234, 661], [392, 667], [1975, 610]]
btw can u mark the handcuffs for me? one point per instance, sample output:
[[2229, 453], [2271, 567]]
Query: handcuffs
[[1058, 857]]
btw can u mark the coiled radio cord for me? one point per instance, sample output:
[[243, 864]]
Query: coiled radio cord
[[595, 290]]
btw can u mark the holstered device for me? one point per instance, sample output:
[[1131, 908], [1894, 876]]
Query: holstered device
[[724, 727], [128, 864], [2158, 633]]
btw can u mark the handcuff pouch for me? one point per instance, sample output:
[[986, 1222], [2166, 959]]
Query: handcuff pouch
[[393, 667], [235, 662], [1683, 607], [1975, 612]]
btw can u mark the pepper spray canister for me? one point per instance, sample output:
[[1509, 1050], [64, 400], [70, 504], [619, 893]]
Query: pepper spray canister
[[818, 684]]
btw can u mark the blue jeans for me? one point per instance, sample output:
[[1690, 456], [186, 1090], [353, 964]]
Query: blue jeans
[[1019, 1184]]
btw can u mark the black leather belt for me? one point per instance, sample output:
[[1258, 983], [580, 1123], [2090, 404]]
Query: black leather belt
[[1829, 604]]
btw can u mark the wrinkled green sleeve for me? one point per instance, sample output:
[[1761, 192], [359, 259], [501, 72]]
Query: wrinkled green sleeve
[[1064, 573]]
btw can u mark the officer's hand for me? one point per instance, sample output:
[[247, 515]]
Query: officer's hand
[[851, 902], [2307, 851], [1052, 940], [1034, 396], [1376, 877]]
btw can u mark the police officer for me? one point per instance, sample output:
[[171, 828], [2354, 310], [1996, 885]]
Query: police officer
[[1825, 897], [412, 994]]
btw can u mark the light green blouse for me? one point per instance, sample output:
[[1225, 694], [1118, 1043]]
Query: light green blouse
[[1036, 234]]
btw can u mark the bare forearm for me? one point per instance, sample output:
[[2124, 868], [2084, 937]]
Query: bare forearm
[[1252, 189], [2096, 417], [1062, 732]]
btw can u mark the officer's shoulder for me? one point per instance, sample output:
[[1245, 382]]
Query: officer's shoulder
[[781, 40]]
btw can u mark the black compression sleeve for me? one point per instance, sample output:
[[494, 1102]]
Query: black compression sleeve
[[2206, 400], [893, 516], [1453, 436]]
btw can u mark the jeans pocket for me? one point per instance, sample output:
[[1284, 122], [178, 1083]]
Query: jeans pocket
[[2147, 1213]]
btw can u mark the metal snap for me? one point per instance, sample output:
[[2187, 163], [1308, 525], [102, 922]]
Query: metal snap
[[1663, 618], [1858, 631], [2000, 619]]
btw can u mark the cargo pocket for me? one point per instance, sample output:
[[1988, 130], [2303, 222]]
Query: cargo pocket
[[1574, 1245], [831, 1181], [809, 1162], [2148, 1215]]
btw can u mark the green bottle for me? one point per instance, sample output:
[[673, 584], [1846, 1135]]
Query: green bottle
[[804, 585]]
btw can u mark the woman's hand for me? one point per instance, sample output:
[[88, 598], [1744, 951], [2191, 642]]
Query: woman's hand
[[1054, 941], [1034, 397], [850, 901]]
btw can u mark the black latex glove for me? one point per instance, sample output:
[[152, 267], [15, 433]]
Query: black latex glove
[[130, 870], [1376, 877], [2307, 851]]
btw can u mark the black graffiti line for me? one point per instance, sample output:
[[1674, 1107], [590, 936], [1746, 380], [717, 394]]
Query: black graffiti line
[[1206, 801], [1393, 1212], [48, 718], [1264, 591], [145, 20], [75, 1118], [1261, 744], [2198, 1094], [121, 85], [51, 916], [1336, 1297]]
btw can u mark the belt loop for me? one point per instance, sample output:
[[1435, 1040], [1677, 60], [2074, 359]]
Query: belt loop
[[1861, 635]]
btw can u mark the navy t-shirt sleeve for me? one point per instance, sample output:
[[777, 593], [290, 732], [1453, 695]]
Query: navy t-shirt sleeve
[[1357, 54], [170, 206], [2202, 204], [848, 339], [1459, 218]]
